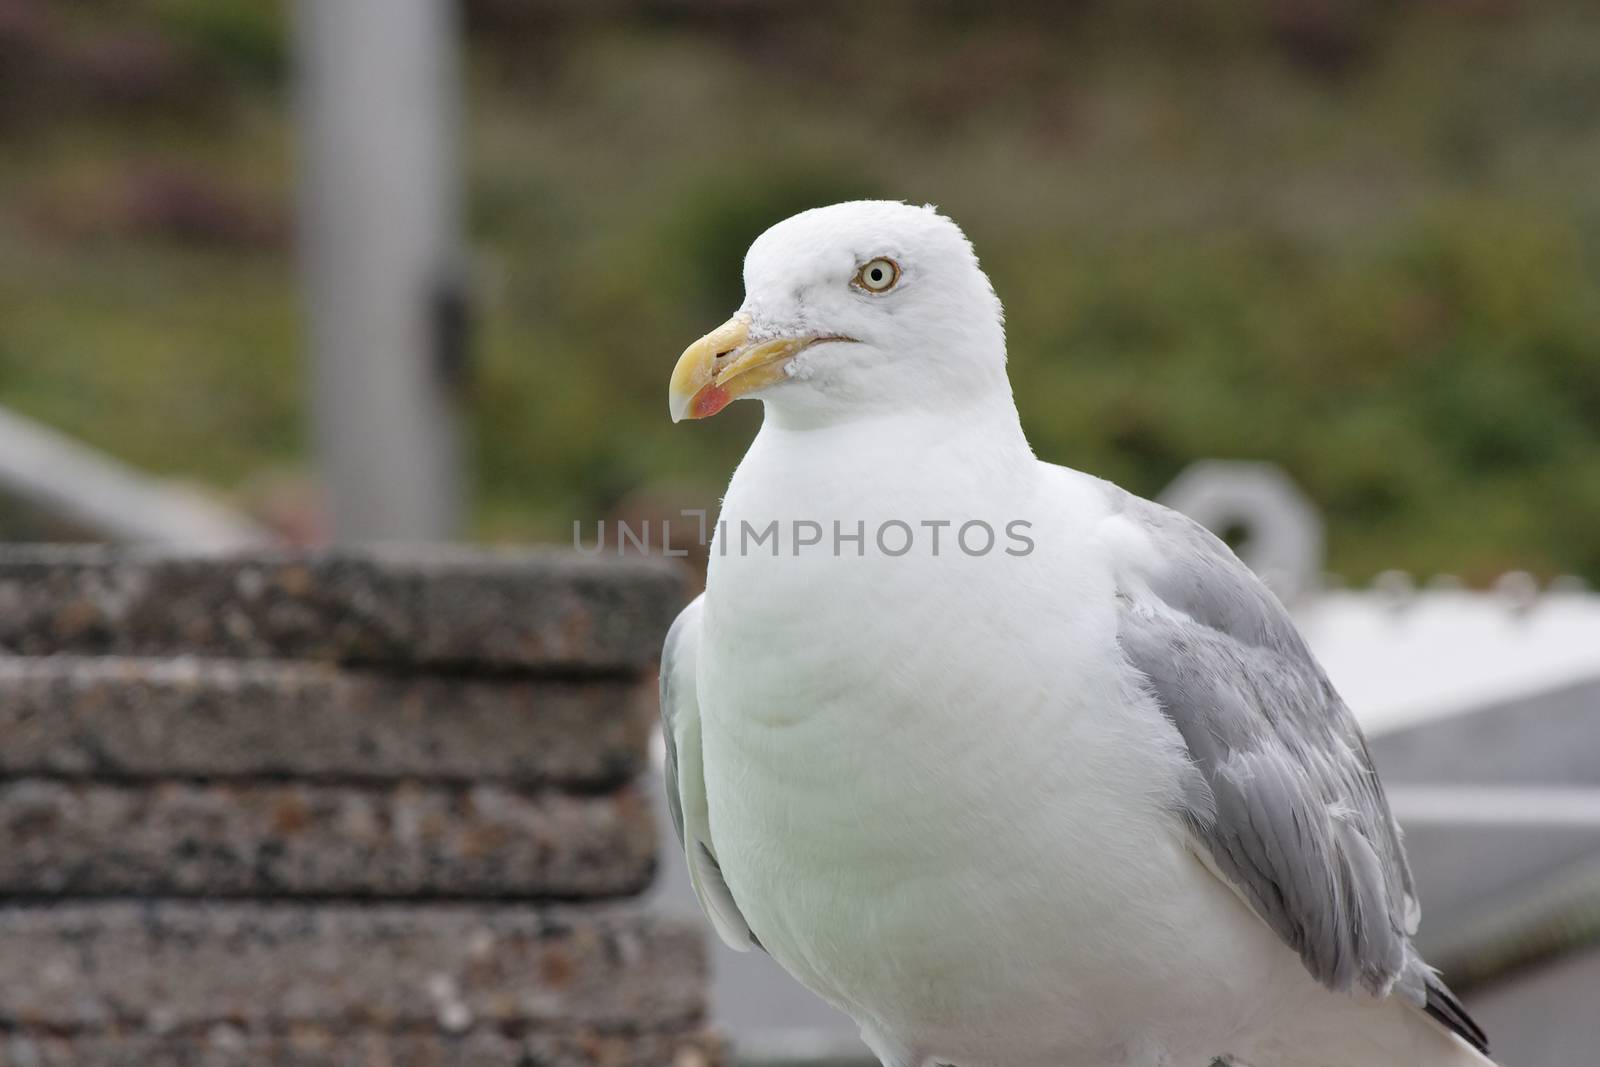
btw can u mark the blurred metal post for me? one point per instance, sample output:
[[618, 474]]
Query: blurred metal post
[[382, 253]]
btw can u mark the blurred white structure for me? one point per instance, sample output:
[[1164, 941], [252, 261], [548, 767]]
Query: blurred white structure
[[105, 497], [1275, 528], [1403, 657]]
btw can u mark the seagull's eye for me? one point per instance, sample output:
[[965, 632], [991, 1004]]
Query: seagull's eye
[[878, 275]]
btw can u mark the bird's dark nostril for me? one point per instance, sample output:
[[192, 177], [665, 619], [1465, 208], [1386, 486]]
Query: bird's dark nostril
[[725, 352]]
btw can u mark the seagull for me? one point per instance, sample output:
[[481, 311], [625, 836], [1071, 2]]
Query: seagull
[[1015, 768]]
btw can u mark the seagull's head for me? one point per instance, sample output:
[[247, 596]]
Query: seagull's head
[[852, 309]]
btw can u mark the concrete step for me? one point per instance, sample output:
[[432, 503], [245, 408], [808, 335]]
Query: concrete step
[[228, 1046], [178, 968], [274, 839], [527, 611], [110, 717]]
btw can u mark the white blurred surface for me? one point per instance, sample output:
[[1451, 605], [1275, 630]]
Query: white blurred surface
[[1407, 658]]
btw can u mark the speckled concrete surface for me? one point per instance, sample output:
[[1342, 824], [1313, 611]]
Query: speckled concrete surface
[[372, 810], [437, 608], [270, 839], [174, 965], [225, 1045], [115, 717]]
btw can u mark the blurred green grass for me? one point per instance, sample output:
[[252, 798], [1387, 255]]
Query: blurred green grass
[[1364, 245]]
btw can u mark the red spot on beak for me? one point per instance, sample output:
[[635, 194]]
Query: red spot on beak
[[708, 401]]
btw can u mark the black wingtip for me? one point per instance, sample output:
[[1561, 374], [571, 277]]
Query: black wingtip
[[1443, 1006]]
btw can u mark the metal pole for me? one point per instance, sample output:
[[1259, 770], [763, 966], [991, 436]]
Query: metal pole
[[381, 248]]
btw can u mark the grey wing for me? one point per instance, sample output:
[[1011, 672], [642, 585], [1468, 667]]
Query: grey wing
[[685, 777], [1285, 802]]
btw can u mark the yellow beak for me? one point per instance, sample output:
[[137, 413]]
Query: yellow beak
[[723, 366]]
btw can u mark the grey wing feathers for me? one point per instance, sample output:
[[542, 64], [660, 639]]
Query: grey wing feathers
[[673, 682], [1286, 803], [685, 777]]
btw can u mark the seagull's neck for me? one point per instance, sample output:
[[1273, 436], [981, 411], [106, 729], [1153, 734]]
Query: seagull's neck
[[990, 417], [975, 451]]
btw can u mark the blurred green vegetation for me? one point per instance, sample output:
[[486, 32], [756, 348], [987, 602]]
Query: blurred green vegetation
[[1360, 240]]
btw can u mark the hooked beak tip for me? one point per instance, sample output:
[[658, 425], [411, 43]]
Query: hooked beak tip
[[695, 392]]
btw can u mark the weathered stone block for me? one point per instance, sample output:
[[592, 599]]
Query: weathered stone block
[[264, 839], [110, 717], [224, 1045], [177, 968], [308, 767], [443, 608]]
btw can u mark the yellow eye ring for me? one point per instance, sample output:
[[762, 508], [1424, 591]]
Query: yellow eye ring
[[877, 275]]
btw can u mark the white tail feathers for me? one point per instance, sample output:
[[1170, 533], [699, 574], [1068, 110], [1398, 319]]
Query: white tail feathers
[[1358, 1031]]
